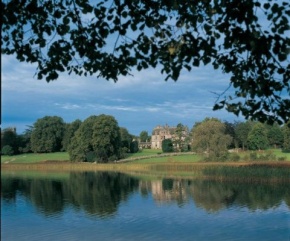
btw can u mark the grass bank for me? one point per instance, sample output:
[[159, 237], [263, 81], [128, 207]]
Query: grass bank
[[226, 171], [33, 174], [35, 157], [155, 164], [145, 156]]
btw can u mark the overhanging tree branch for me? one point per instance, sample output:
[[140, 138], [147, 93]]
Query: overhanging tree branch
[[245, 38]]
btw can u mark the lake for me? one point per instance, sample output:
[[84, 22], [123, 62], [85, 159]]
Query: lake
[[81, 206]]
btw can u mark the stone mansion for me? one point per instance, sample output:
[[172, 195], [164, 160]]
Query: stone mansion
[[159, 134]]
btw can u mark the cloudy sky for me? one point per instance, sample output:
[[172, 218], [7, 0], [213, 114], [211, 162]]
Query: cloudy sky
[[138, 102]]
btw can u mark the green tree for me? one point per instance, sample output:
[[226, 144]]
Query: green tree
[[70, 129], [167, 145], [257, 138], [209, 137], [9, 138], [134, 148], [106, 139], [126, 138], [25, 140], [97, 139], [7, 150], [230, 130], [232, 36], [81, 143], [286, 132], [144, 136], [242, 130], [47, 134], [181, 132], [275, 135]]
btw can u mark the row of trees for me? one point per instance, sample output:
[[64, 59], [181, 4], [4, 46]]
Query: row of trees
[[215, 137], [99, 138]]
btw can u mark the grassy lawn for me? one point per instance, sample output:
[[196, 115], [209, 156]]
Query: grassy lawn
[[279, 153], [171, 159], [35, 157], [183, 157], [145, 152]]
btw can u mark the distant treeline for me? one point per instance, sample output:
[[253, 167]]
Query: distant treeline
[[100, 139]]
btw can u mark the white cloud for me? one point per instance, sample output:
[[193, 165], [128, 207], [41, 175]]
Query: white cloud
[[70, 106], [152, 109], [140, 102]]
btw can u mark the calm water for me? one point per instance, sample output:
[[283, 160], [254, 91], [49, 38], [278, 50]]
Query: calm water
[[114, 206]]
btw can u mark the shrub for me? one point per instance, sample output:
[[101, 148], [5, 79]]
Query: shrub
[[134, 147], [7, 150], [113, 158], [282, 158], [91, 156], [253, 156], [269, 156], [167, 145], [235, 157], [246, 157], [214, 158], [124, 152], [223, 156]]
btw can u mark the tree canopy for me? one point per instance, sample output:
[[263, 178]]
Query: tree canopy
[[167, 145], [106, 139], [70, 129], [257, 137], [81, 143], [210, 137], [144, 136], [242, 131], [247, 39], [181, 132], [9, 140], [97, 139], [47, 134], [126, 138], [286, 143]]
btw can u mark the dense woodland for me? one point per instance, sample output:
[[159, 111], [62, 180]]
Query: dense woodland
[[101, 139]]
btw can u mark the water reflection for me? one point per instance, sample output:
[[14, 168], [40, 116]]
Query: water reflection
[[214, 196], [97, 193], [100, 193]]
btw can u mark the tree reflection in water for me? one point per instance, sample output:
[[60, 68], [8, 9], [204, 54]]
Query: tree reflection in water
[[214, 195], [100, 193]]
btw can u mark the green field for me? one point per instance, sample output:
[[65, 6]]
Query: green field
[[145, 156], [35, 157], [279, 153], [145, 152], [171, 159]]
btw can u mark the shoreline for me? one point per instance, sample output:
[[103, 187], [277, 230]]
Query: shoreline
[[86, 166], [239, 172]]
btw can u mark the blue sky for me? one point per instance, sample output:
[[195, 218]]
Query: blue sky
[[138, 102]]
